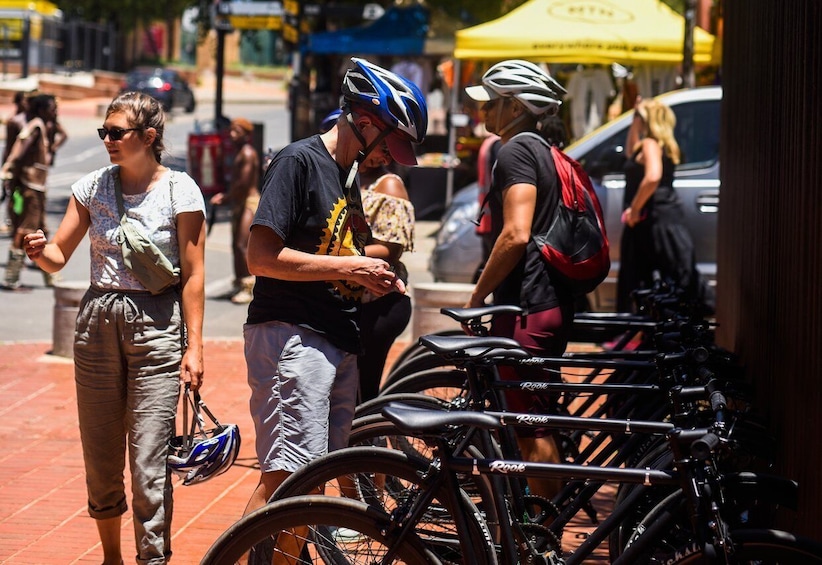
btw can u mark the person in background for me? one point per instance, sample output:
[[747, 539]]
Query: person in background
[[307, 250], [25, 170], [390, 215], [132, 349], [57, 137], [654, 237], [244, 196], [517, 96], [13, 126]]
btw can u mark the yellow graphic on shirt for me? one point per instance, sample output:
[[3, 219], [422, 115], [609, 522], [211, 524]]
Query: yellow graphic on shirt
[[345, 235]]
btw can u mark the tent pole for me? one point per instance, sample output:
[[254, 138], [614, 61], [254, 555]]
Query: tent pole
[[688, 79], [452, 134]]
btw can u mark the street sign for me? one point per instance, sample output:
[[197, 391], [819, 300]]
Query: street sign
[[250, 9], [256, 22]]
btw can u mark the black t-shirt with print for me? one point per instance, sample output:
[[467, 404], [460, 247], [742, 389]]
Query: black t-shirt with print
[[303, 201], [525, 159]]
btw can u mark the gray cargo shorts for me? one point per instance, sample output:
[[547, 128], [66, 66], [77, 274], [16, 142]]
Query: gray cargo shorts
[[303, 394]]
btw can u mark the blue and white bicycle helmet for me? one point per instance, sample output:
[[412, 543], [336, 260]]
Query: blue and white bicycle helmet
[[393, 100], [200, 454]]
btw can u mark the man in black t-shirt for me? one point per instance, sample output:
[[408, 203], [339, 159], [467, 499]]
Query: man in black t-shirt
[[518, 96], [307, 252]]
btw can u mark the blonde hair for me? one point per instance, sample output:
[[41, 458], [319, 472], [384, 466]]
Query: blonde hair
[[659, 124], [143, 111]]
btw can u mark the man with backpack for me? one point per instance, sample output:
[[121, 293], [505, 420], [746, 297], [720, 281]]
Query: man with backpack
[[525, 191]]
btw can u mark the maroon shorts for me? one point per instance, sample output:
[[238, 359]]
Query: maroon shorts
[[544, 334]]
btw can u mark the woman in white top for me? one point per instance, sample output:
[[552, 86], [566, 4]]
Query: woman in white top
[[132, 348]]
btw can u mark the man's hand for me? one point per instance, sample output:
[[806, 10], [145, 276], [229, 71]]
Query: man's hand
[[376, 275]]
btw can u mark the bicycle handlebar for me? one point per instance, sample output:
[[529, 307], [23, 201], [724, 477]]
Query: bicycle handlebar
[[704, 446]]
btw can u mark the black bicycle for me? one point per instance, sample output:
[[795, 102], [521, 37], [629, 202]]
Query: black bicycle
[[696, 523]]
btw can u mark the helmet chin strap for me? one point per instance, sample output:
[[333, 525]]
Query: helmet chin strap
[[365, 151], [510, 125]]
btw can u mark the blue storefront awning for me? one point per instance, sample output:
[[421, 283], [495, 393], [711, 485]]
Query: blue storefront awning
[[400, 31]]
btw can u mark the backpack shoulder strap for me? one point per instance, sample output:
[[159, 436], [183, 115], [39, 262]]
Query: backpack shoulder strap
[[566, 172]]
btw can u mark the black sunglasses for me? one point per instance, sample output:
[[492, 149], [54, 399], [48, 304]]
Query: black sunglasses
[[114, 134]]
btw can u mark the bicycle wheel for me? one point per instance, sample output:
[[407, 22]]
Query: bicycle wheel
[[446, 384], [422, 362], [416, 349], [389, 480], [375, 405], [759, 547], [311, 527], [748, 507]]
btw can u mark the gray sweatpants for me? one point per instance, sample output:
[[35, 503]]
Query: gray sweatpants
[[127, 353]]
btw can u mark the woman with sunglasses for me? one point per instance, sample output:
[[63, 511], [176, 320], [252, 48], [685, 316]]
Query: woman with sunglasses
[[132, 349]]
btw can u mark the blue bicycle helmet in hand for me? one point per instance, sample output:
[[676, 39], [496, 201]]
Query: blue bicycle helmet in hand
[[200, 454], [393, 100]]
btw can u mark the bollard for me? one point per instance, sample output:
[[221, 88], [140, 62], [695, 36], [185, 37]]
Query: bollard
[[429, 298], [67, 297]]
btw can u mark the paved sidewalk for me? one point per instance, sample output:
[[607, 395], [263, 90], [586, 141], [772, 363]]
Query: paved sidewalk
[[43, 518]]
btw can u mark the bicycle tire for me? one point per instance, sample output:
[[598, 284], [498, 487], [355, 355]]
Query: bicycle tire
[[659, 458], [416, 348], [386, 479], [376, 431], [423, 362], [322, 515], [750, 508], [450, 382], [761, 547], [375, 405]]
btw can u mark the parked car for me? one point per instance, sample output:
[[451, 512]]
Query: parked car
[[166, 85], [457, 254]]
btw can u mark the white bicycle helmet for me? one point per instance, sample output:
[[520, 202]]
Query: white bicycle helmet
[[530, 84], [200, 454]]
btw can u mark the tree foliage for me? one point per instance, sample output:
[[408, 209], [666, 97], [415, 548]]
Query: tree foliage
[[126, 15]]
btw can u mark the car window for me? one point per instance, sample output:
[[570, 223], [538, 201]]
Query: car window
[[607, 157], [697, 132]]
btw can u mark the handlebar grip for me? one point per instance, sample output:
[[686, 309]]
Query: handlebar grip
[[705, 374], [704, 446], [718, 401]]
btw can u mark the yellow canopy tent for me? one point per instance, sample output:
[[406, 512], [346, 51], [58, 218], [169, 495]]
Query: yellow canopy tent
[[586, 32]]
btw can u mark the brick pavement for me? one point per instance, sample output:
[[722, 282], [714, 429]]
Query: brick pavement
[[43, 518]]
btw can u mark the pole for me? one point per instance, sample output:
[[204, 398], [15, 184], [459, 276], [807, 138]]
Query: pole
[[25, 47], [219, 71], [688, 79], [452, 133]]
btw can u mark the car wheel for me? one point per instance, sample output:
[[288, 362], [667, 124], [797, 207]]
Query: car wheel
[[190, 106]]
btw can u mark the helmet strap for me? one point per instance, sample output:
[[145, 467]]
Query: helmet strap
[[510, 125], [365, 151]]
